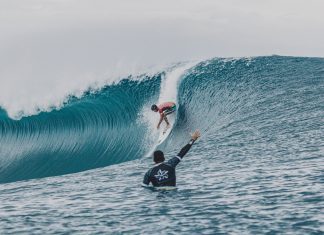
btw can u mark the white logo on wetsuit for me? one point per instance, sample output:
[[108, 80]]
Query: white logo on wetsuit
[[161, 175]]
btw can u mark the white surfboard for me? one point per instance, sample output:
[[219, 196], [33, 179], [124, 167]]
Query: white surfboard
[[165, 131]]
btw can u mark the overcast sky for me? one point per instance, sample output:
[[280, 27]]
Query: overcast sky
[[46, 45]]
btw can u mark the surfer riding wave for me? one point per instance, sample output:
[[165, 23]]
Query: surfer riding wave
[[164, 109]]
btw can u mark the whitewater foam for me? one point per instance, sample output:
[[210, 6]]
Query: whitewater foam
[[169, 85]]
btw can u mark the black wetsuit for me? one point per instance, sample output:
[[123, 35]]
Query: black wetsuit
[[163, 174]]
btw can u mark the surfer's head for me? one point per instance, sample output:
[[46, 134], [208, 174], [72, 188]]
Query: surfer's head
[[158, 156], [154, 108]]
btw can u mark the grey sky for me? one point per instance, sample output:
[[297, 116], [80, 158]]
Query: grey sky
[[53, 47]]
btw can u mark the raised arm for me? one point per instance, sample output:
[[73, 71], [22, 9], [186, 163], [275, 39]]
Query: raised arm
[[186, 148], [175, 160]]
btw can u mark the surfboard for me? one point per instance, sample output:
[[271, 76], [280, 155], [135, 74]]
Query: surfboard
[[165, 131]]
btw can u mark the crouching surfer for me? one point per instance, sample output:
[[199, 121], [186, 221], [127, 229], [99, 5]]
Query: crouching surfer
[[164, 109], [163, 173]]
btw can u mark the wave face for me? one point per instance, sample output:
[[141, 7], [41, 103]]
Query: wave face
[[274, 104], [97, 130]]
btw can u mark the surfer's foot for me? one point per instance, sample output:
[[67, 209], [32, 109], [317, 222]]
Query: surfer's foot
[[166, 128]]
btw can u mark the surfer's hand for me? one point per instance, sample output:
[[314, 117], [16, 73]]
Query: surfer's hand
[[195, 135], [158, 127]]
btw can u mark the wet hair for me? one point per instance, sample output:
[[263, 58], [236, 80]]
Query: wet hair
[[154, 107], [158, 156]]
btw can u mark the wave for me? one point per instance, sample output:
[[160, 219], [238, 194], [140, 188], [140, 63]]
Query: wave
[[94, 131], [224, 98]]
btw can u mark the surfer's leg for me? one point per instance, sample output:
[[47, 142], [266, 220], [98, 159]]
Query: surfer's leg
[[166, 120], [167, 112]]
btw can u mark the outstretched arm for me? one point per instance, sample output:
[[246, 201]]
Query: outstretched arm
[[175, 160], [186, 148]]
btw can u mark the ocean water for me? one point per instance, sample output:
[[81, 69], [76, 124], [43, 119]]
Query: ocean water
[[257, 169]]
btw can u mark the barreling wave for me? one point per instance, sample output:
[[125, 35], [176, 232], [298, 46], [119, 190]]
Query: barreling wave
[[260, 99], [97, 130]]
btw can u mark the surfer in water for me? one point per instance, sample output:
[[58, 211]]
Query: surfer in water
[[163, 174], [164, 109]]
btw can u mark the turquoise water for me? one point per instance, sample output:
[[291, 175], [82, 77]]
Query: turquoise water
[[257, 169]]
